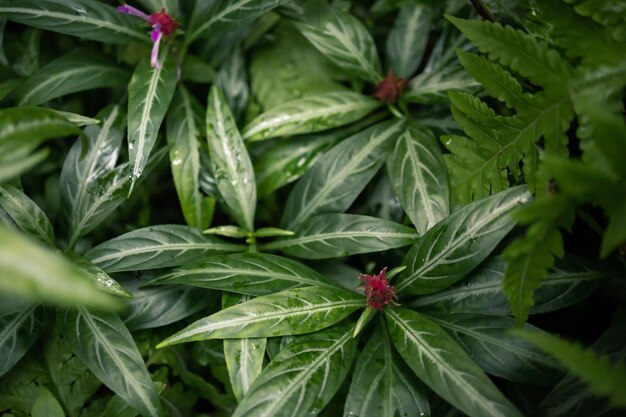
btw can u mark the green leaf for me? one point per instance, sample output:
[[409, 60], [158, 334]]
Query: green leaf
[[497, 81], [442, 72], [289, 312], [155, 307], [46, 405], [337, 179], [35, 272], [568, 282], [342, 38], [406, 41], [230, 161], [26, 214], [334, 235], [521, 52], [303, 377], [149, 94], [232, 80], [77, 71], [530, 256], [83, 18], [245, 273], [73, 383], [308, 71], [459, 243], [156, 247], [410, 393], [371, 390], [244, 357], [603, 377], [20, 330], [287, 160], [82, 174], [22, 129], [488, 341], [104, 344], [311, 113], [103, 281], [185, 125], [419, 178], [214, 18], [443, 365]]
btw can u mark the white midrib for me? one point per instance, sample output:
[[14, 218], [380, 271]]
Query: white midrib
[[64, 75], [233, 271], [216, 18], [247, 320], [411, 31], [337, 235], [86, 173], [354, 51], [338, 109], [230, 163], [304, 376], [27, 213], [470, 232], [4, 335], [192, 137], [472, 393], [355, 161], [145, 116], [174, 246], [421, 183], [483, 336], [137, 388], [75, 18]]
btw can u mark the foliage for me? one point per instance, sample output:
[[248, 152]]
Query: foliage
[[366, 205]]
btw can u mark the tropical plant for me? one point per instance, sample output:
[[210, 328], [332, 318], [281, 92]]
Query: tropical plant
[[334, 233]]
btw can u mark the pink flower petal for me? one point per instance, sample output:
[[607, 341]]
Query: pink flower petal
[[154, 57], [133, 12]]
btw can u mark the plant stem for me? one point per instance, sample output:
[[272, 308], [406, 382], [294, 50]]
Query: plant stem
[[483, 10]]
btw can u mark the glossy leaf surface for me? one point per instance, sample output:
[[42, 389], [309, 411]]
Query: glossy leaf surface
[[83, 18], [443, 365], [82, 174], [309, 114], [51, 278], [419, 177], [210, 18], [245, 273], [459, 243], [407, 40], [230, 161], [185, 124], [155, 307], [244, 357], [303, 377], [289, 312], [344, 39], [19, 330], [105, 345], [156, 247], [26, 215], [77, 71], [22, 129], [335, 181], [149, 94], [335, 235]]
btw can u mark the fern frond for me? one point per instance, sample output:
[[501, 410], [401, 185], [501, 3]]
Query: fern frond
[[519, 51], [496, 81], [529, 257], [604, 377]]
